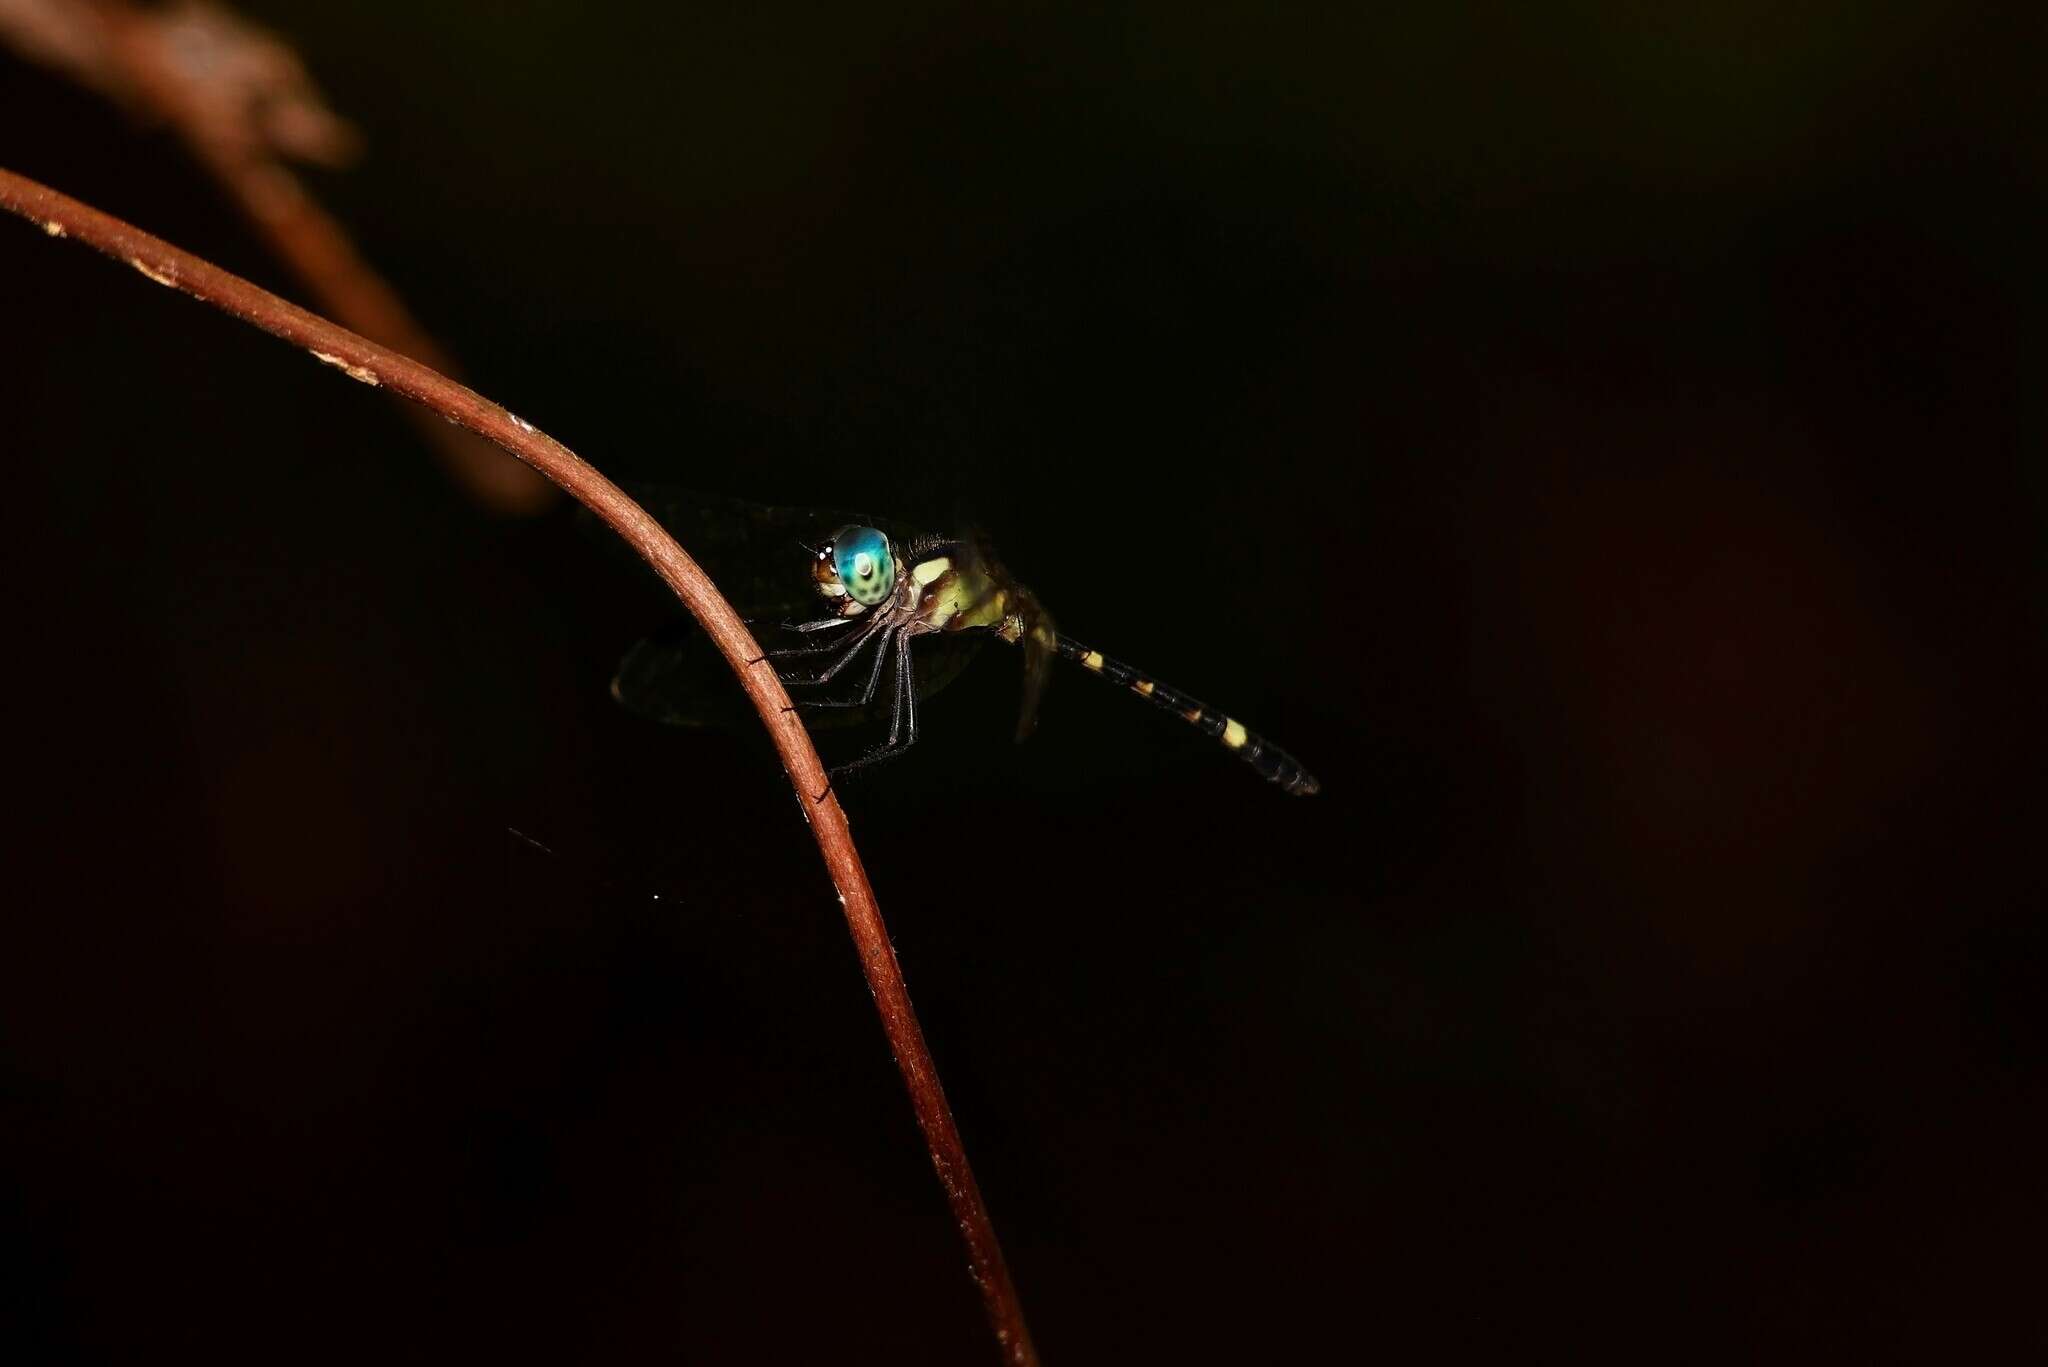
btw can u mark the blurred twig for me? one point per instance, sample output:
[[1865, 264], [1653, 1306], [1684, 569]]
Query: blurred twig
[[244, 106], [365, 360]]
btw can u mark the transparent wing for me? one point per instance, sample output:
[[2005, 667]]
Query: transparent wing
[[1038, 658], [758, 554]]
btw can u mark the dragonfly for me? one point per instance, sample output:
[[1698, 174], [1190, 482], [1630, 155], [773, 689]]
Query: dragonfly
[[880, 589]]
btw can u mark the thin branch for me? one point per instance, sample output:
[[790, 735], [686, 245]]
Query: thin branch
[[366, 361]]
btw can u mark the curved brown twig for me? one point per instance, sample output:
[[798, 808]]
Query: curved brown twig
[[60, 216]]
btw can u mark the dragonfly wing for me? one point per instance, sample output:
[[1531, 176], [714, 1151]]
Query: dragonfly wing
[[758, 554], [678, 678], [1038, 658]]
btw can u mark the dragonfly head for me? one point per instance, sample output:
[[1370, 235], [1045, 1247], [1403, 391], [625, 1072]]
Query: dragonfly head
[[858, 569]]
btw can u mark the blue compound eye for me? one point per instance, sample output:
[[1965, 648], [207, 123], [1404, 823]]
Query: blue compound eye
[[865, 564]]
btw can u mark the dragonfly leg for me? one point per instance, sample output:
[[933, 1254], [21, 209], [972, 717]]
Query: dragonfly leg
[[821, 624], [906, 700], [850, 646], [903, 719], [908, 682], [848, 650], [787, 652], [867, 694], [782, 651]]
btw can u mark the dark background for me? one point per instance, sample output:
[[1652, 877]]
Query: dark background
[[1604, 443]]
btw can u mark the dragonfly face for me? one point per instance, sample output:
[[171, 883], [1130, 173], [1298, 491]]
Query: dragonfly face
[[857, 570]]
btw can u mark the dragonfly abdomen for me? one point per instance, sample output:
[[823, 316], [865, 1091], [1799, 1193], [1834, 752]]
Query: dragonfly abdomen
[[1271, 762]]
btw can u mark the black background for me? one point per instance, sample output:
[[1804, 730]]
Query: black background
[[1604, 443]]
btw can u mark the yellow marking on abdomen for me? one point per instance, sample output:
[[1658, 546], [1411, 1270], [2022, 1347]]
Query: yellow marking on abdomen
[[1233, 733], [927, 570], [1092, 660], [1143, 688]]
